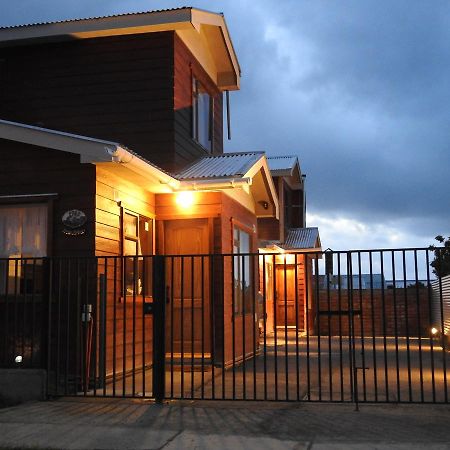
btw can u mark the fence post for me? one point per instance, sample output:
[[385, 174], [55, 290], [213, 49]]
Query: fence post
[[159, 325]]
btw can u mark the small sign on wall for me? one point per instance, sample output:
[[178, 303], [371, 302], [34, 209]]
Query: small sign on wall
[[74, 221]]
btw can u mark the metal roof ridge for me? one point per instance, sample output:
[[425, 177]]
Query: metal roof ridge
[[110, 16]]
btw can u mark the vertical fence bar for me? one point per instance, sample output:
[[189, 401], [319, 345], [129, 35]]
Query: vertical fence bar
[[68, 328], [255, 319], [374, 345], [341, 362], [124, 325], [202, 325], [104, 312], [210, 268], [408, 351], [419, 325], [159, 324], [33, 311], [264, 325], [330, 370], [441, 307], [182, 326], [319, 333], [275, 303], [133, 336], [430, 314], [222, 265], [96, 319], [244, 314], [286, 381], [49, 279], [308, 290], [352, 337], [233, 324], [114, 329], [361, 321], [58, 323], [395, 324], [383, 303], [192, 324], [143, 335], [297, 362], [172, 285]]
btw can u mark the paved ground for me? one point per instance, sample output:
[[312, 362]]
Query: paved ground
[[396, 369], [88, 423]]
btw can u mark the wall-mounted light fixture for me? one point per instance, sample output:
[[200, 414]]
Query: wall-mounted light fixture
[[185, 199], [117, 198]]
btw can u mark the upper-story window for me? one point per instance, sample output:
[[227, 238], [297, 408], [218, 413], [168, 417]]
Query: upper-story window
[[202, 115]]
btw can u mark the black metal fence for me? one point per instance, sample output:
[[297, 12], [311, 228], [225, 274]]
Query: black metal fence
[[360, 326]]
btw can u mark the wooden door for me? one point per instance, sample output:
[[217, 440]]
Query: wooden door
[[188, 309], [285, 295]]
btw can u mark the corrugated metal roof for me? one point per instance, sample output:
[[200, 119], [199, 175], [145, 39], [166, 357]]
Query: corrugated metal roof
[[97, 17], [298, 238], [283, 164], [221, 166]]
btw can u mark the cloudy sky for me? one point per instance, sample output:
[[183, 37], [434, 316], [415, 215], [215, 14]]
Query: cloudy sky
[[359, 90]]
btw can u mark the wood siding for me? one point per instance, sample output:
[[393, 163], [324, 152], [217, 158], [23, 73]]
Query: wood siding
[[123, 88], [186, 66]]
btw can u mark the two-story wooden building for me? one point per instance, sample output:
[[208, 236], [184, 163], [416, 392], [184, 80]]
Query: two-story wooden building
[[111, 136]]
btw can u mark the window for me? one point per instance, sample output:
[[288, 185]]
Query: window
[[23, 234], [137, 242], [242, 272], [202, 115]]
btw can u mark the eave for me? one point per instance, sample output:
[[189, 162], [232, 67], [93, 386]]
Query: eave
[[205, 33]]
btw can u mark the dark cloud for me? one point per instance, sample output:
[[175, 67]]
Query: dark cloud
[[359, 90]]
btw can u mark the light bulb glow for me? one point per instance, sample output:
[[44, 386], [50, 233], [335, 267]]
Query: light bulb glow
[[434, 331], [18, 359], [185, 199]]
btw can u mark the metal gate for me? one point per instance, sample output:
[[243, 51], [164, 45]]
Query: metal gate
[[357, 326]]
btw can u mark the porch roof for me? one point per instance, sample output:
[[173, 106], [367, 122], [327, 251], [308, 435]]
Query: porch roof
[[221, 166], [301, 239], [235, 169], [283, 165]]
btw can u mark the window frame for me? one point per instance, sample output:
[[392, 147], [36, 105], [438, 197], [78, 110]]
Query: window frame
[[240, 304], [24, 200], [196, 84], [139, 256]]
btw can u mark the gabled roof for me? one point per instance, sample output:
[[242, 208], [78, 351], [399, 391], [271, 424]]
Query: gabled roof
[[283, 165], [204, 33], [236, 168], [302, 238], [220, 166]]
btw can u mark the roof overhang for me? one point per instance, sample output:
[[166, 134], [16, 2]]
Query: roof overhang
[[95, 151], [205, 34]]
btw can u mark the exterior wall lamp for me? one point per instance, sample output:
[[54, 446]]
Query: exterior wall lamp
[[185, 199]]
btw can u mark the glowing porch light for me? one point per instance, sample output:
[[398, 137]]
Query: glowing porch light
[[18, 359], [185, 199], [434, 331]]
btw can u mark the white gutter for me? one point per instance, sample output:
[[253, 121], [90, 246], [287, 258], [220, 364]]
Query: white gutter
[[212, 184], [133, 162]]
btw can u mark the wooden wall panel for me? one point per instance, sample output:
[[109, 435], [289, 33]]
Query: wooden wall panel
[[115, 88], [28, 169], [185, 67]]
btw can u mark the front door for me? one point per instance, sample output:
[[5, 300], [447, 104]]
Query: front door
[[187, 310], [285, 295]]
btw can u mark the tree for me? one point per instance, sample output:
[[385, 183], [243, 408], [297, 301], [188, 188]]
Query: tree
[[441, 262]]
